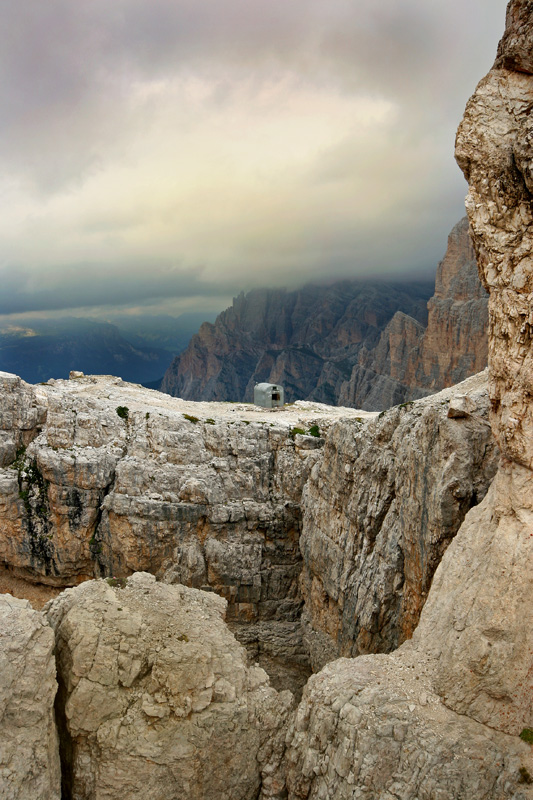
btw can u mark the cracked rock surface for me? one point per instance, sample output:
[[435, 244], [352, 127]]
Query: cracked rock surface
[[29, 756], [207, 494], [374, 727], [156, 700], [442, 716], [379, 511]]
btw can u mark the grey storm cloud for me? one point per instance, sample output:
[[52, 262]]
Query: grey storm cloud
[[100, 285], [64, 65], [82, 82]]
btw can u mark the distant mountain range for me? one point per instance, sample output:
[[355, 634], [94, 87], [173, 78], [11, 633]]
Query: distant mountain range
[[364, 344], [136, 348]]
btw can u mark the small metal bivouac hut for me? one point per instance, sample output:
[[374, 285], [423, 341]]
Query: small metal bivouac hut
[[268, 395]]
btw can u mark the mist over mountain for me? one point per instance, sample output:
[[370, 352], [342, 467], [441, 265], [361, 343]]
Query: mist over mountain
[[308, 339], [362, 344], [160, 330]]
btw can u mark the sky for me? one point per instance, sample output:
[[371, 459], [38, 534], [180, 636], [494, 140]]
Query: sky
[[163, 155]]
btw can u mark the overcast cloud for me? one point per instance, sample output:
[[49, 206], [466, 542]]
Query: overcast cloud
[[169, 153]]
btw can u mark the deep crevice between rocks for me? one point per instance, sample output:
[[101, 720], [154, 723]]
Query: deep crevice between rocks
[[65, 739]]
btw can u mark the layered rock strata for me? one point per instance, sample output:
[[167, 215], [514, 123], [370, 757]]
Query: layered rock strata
[[216, 503], [29, 755], [380, 509], [308, 340], [473, 649]]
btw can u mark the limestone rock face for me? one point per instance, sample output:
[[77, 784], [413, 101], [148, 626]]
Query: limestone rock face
[[480, 603], [441, 716], [156, 699], [207, 495], [494, 150], [22, 413], [357, 345], [29, 748], [373, 727], [472, 652], [455, 342], [380, 509], [515, 51]]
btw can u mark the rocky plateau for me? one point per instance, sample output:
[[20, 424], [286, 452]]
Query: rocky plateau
[[389, 554]]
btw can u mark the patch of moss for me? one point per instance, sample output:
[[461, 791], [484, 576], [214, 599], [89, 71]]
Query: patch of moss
[[18, 463], [525, 777], [147, 415], [210, 421], [314, 430], [95, 546], [192, 419], [123, 412], [527, 735], [294, 431]]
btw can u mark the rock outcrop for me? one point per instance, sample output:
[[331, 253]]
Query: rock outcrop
[[22, 415], [122, 479], [213, 500], [29, 754], [156, 699], [472, 652], [380, 509], [353, 344], [455, 342], [374, 727], [494, 149]]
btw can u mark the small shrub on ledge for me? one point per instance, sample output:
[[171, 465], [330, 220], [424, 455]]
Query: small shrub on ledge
[[117, 583]]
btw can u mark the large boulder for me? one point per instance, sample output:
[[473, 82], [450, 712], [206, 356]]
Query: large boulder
[[155, 697], [373, 728]]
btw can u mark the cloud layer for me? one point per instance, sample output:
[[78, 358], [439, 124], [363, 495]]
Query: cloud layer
[[167, 151]]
